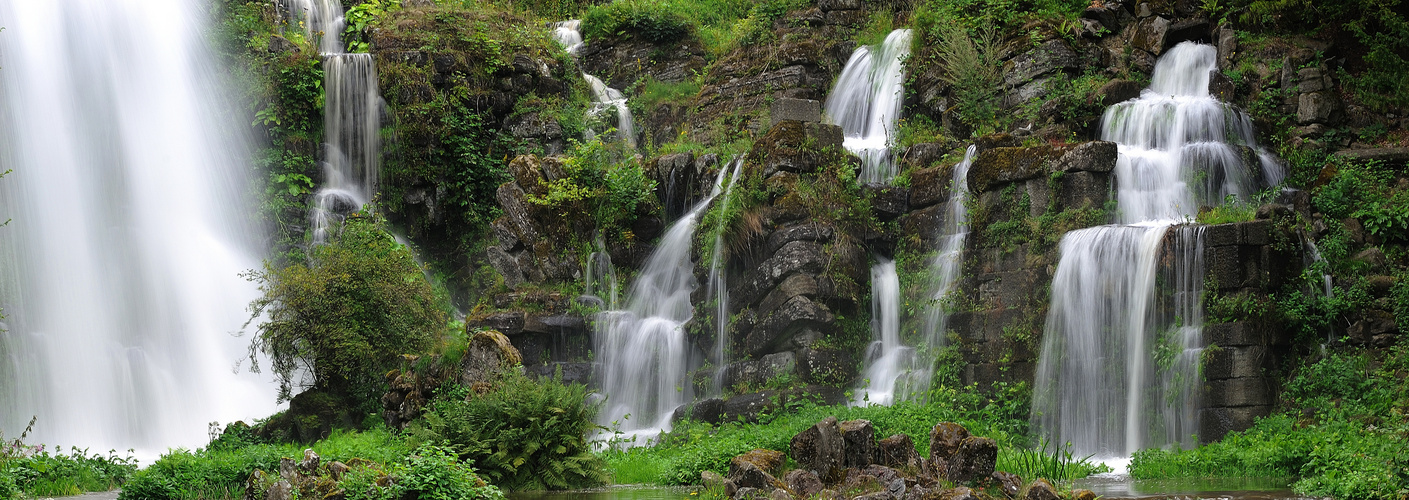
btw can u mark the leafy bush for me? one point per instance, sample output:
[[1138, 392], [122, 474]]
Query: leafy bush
[[605, 180], [347, 316], [1366, 192], [655, 21], [972, 66], [525, 434], [433, 473]]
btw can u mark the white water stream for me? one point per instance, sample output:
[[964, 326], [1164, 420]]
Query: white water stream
[[1119, 364], [866, 103], [642, 351], [718, 288], [128, 228], [894, 371], [604, 98]]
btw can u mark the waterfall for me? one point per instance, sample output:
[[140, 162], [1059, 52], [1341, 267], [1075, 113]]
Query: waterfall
[[886, 357], [894, 371], [351, 118], [1119, 368], [642, 350], [604, 98], [866, 103], [128, 228], [352, 125], [718, 287], [600, 282]]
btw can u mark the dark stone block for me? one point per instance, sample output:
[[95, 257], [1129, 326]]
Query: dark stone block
[[1084, 190], [1214, 423], [1255, 232], [1237, 362], [1249, 391]]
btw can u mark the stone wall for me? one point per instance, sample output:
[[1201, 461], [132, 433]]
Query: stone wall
[[1242, 358]]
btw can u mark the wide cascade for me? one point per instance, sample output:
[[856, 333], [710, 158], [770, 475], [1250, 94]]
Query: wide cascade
[[351, 118], [895, 371], [604, 98], [1118, 370], [866, 103], [128, 228], [643, 352]]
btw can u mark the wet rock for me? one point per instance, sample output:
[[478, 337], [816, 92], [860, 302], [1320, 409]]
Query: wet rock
[[1040, 490], [918, 492], [888, 202], [281, 490], [337, 469], [820, 449], [896, 488], [945, 440], [1111, 15], [747, 493], [506, 265], [898, 451], [961, 493], [280, 45], [1083, 495], [860, 443], [792, 257], [779, 494], [748, 407], [930, 186], [1196, 30], [1220, 86], [1116, 91], [793, 286], [826, 366], [803, 482], [710, 410], [775, 329], [1150, 35], [1372, 256], [1392, 156], [974, 460]]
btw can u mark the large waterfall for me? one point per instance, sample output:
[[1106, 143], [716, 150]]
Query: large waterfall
[[866, 103], [643, 352], [128, 228], [1119, 365]]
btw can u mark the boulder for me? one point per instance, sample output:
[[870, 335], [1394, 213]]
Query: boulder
[[1195, 30], [748, 407], [779, 494], [768, 460], [820, 449], [1093, 156], [1318, 107], [961, 493], [888, 202], [1040, 490], [1150, 35], [489, 354], [974, 460], [898, 451], [1220, 86], [310, 462], [747, 475], [775, 329], [930, 186], [710, 410], [1049, 57], [1010, 484], [859, 437], [1392, 156], [945, 439], [804, 483], [1116, 91], [826, 365]]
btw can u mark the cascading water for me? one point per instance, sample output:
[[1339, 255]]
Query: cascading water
[[718, 289], [128, 228], [351, 118], [866, 104], [600, 282], [1119, 364], [894, 371], [604, 98], [644, 355]]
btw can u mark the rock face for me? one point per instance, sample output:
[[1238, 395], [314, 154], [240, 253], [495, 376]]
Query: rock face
[[820, 449], [488, 356]]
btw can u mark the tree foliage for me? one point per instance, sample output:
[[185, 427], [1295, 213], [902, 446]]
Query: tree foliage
[[337, 322]]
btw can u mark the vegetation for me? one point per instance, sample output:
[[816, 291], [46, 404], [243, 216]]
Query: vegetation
[[1343, 438], [602, 179], [720, 25], [32, 471], [523, 435], [346, 316]]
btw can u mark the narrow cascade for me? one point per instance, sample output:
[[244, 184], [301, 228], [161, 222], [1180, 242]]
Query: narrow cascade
[[642, 350], [886, 357], [351, 119], [718, 289], [128, 228], [600, 283], [1118, 371], [351, 123], [604, 98], [894, 371], [866, 103]]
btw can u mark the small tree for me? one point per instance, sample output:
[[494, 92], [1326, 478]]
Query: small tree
[[340, 321]]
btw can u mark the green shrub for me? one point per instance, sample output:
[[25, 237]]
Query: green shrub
[[656, 21], [347, 316], [603, 179], [433, 473], [524, 435], [972, 66]]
